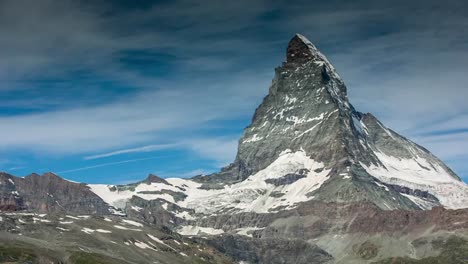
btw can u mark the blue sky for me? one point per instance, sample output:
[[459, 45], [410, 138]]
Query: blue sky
[[109, 92]]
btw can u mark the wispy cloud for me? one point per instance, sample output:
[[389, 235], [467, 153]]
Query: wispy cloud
[[108, 164], [147, 148], [186, 174], [220, 149]]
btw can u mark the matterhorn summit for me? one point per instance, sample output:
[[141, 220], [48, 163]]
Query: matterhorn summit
[[306, 142], [307, 114]]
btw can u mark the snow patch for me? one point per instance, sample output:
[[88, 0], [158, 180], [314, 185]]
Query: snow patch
[[290, 100], [190, 230], [136, 208], [419, 173], [185, 215], [296, 120], [133, 223], [35, 220], [381, 185], [143, 245], [417, 170], [103, 231], [159, 241], [254, 138], [88, 230], [423, 204], [247, 231], [126, 228]]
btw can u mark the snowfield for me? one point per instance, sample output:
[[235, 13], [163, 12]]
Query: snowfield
[[250, 195], [419, 173]]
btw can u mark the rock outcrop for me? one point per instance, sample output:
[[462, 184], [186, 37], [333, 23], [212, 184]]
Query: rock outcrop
[[48, 193]]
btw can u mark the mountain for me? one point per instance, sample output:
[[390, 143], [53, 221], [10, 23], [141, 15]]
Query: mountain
[[313, 181], [307, 113], [307, 142], [48, 194]]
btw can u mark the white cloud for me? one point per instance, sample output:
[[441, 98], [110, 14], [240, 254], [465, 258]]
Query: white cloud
[[147, 148], [448, 147], [108, 164], [220, 149], [150, 116]]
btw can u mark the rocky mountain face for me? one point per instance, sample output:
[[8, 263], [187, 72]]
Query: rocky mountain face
[[314, 181], [48, 194], [307, 110]]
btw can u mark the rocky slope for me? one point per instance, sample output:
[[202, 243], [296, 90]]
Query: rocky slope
[[48, 194], [314, 181], [50, 238]]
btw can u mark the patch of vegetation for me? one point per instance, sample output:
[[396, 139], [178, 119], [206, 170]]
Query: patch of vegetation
[[20, 254], [454, 250], [366, 250], [93, 258], [14, 254]]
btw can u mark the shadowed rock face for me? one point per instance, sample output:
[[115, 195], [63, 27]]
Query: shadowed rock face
[[300, 50], [48, 194], [155, 179], [288, 178]]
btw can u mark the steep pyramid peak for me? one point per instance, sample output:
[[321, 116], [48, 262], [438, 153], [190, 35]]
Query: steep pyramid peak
[[300, 49]]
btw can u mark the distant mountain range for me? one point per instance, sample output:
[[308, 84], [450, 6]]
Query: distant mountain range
[[314, 181]]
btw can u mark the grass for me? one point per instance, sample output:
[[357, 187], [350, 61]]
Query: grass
[[93, 258], [454, 250]]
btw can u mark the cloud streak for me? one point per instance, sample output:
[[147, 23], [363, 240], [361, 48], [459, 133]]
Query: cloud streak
[[147, 148], [220, 149], [108, 164]]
